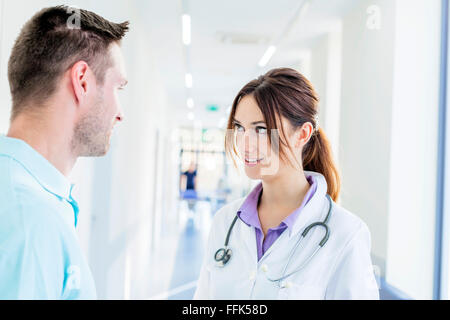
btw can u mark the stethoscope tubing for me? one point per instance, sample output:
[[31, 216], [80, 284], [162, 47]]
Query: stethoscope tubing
[[223, 255]]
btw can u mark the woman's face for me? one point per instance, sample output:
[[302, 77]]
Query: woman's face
[[261, 160], [252, 140]]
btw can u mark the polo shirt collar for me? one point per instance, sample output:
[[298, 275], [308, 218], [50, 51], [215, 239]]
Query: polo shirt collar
[[40, 168]]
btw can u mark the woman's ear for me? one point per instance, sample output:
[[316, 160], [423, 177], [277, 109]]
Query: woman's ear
[[303, 134]]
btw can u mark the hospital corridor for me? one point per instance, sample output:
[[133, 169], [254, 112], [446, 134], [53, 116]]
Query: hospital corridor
[[154, 214]]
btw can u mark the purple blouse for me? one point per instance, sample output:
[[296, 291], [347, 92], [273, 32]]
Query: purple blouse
[[248, 213]]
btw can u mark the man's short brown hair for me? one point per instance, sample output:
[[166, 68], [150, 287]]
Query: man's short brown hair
[[50, 43]]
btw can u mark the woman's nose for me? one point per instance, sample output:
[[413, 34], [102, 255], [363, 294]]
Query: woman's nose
[[250, 141]]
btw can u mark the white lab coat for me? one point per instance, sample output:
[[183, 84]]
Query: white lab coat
[[342, 269]]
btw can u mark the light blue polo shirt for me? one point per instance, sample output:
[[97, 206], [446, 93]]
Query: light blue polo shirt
[[40, 256]]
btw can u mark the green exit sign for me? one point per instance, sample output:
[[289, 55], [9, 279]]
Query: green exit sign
[[212, 108]]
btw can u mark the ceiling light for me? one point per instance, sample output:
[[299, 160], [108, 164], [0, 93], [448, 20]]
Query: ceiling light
[[189, 80], [267, 56], [186, 29]]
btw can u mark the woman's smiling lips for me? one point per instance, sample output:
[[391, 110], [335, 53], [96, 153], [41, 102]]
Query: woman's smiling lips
[[251, 162]]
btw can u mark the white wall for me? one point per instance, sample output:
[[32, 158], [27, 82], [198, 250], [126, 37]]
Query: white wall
[[326, 64], [366, 112], [319, 68], [388, 136], [413, 159]]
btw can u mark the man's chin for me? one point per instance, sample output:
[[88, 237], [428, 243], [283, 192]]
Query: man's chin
[[104, 152], [96, 151]]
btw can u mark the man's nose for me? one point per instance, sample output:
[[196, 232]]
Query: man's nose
[[119, 117]]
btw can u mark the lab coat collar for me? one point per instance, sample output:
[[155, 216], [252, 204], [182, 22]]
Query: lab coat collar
[[314, 209]]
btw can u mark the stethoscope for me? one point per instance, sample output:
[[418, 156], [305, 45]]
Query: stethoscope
[[223, 256]]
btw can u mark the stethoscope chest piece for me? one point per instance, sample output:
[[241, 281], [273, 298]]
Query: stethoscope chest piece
[[222, 256]]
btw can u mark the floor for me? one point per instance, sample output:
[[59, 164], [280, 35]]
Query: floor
[[180, 253]]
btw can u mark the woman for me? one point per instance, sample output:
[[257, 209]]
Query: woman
[[288, 239]]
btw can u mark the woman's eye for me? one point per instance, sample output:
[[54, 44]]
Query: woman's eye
[[239, 128], [261, 130]]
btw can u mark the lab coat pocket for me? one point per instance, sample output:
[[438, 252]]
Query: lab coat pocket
[[219, 281], [293, 291], [228, 283]]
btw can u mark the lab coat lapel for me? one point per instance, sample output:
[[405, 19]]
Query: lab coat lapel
[[280, 241], [249, 238], [314, 209]]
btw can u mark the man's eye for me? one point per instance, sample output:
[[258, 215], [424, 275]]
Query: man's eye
[[261, 130]]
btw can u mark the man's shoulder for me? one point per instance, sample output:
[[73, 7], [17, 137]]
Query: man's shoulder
[[14, 175], [23, 202]]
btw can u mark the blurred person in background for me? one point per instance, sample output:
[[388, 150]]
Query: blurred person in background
[[188, 186]]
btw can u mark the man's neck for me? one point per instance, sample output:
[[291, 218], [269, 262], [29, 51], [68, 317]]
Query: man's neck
[[50, 141]]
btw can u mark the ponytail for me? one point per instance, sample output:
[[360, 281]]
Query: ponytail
[[317, 157]]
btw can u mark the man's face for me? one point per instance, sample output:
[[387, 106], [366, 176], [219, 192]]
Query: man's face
[[93, 131]]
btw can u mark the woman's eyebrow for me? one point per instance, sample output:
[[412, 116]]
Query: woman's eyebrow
[[253, 123], [258, 122]]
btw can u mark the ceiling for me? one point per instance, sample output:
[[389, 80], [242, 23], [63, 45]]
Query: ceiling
[[228, 40]]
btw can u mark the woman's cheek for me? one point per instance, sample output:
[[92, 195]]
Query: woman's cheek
[[243, 144]]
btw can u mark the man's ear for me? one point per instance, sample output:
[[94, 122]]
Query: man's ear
[[79, 75]]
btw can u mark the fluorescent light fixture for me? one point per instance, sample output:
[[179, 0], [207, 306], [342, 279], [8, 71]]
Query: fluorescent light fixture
[[189, 80], [191, 116], [304, 10], [267, 56], [190, 103], [186, 29]]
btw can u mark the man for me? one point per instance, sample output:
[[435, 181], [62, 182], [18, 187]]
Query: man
[[64, 72]]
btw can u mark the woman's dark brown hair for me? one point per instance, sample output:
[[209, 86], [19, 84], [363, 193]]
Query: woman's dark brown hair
[[285, 93]]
